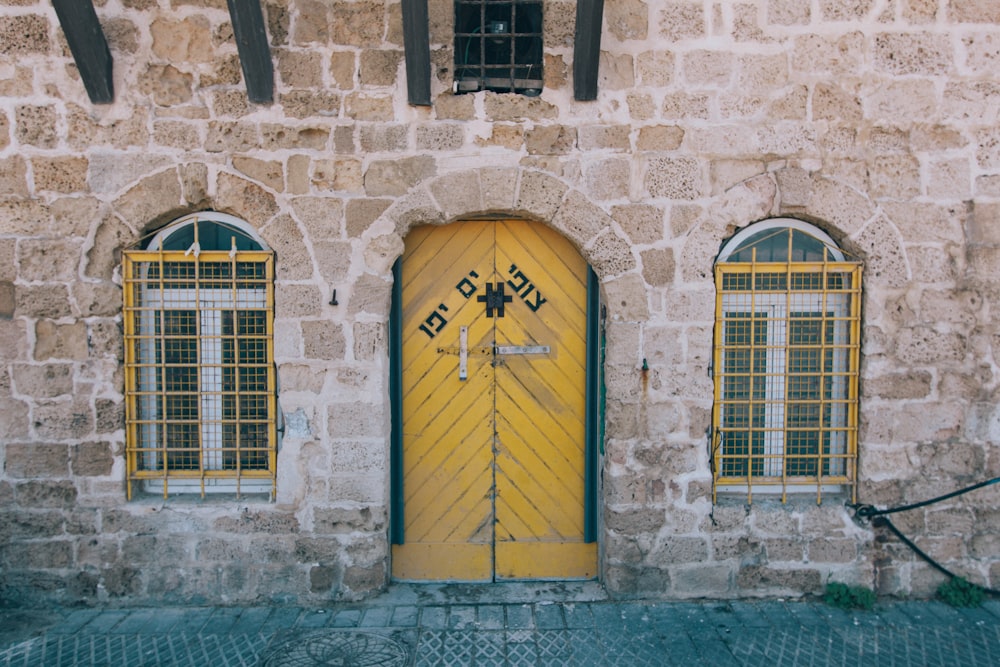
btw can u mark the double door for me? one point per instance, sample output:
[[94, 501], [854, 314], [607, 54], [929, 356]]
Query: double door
[[493, 476]]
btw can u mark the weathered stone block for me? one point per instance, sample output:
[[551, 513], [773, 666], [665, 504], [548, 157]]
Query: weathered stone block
[[187, 40], [36, 460], [323, 340], [396, 177]]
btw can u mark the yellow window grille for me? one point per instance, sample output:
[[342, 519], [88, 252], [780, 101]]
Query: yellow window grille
[[785, 366], [199, 370]]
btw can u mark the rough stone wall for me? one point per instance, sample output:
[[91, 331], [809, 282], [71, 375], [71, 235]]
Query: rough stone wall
[[877, 120]]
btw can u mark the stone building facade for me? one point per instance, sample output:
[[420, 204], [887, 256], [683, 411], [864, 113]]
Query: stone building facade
[[876, 121]]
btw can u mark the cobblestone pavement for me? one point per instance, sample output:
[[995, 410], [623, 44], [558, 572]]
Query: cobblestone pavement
[[522, 626]]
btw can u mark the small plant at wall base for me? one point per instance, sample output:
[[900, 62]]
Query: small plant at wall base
[[843, 596], [959, 592]]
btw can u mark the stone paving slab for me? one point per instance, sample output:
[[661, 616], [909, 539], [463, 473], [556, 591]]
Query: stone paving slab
[[409, 630]]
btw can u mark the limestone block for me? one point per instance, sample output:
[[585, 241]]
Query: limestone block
[[300, 69], [655, 68], [358, 23], [841, 55], [604, 137], [973, 11], [245, 199], [626, 298], [7, 299], [104, 257], [580, 220], [293, 259], [736, 175], [988, 148], [297, 174], [900, 386], [379, 67], [36, 126], [922, 345], [53, 554], [110, 413], [230, 103], [832, 551], [416, 208], [627, 20], [369, 340], [24, 34], [4, 131], [91, 459], [642, 223], [912, 53], [363, 106], [454, 107], [982, 52], [44, 301], [685, 105], [13, 177], [312, 22], [167, 85], [658, 266], [60, 174], [499, 187], [953, 459], [275, 137], [682, 20], [150, 198], [895, 177], [832, 102], [43, 381], [383, 138], [60, 341], [792, 104], [64, 420], [971, 101], [616, 71], [550, 140], [707, 68], [223, 71], [788, 12], [111, 171], [512, 107], [249, 522], [640, 106], [14, 424], [674, 177], [333, 259], [342, 69], [230, 137], [357, 456], [186, 40], [361, 213], [370, 294], [458, 193], [841, 205], [300, 103], [608, 179], [787, 138], [35, 459], [268, 172], [49, 260], [886, 263], [440, 137], [396, 177]]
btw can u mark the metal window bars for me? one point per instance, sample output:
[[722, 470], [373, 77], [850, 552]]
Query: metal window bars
[[200, 396], [785, 361], [498, 46]]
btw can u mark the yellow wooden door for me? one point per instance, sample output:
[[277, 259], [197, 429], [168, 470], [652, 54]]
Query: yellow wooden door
[[493, 404]]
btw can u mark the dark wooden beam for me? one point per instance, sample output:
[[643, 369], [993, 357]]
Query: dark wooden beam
[[255, 54], [417, 48], [88, 46], [587, 48]]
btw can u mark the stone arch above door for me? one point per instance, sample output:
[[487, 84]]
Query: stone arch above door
[[521, 193]]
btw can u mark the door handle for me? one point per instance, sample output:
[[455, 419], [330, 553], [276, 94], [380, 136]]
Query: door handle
[[523, 349]]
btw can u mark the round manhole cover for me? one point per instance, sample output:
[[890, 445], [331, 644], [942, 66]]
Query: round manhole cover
[[340, 649]]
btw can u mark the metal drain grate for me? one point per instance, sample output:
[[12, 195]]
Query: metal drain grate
[[335, 648]]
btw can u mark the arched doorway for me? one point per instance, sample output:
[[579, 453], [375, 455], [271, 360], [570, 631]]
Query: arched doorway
[[495, 405]]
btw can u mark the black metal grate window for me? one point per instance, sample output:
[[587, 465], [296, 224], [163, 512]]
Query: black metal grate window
[[498, 46]]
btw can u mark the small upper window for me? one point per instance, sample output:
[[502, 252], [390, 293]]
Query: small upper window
[[786, 359], [498, 46], [200, 401]]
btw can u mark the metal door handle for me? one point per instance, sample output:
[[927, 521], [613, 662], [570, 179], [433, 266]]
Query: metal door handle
[[523, 349]]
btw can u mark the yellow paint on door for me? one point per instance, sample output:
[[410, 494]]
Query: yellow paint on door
[[493, 463]]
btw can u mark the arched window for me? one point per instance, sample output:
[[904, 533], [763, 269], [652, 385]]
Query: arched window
[[786, 357], [201, 406]]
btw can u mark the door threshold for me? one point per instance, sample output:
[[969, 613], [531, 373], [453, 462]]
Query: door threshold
[[501, 592]]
